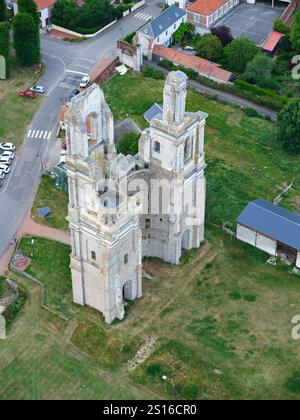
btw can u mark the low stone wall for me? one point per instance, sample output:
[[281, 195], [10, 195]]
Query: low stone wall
[[103, 70], [68, 31]]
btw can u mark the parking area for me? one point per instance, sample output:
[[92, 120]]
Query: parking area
[[253, 21]]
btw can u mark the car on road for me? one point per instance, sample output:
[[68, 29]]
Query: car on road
[[2, 174], [73, 93], [4, 168], [8, 147], [38, 89], [5, 160], [10, 155], [84, 82]]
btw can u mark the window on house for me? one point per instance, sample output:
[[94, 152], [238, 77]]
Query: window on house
[[147, 223], [126, 259], [166, 33], [93, 255], [157, 147], [197, 18]]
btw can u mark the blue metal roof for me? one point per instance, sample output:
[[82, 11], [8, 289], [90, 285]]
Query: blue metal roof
[[163, 22], [153, 112], [272, 221]]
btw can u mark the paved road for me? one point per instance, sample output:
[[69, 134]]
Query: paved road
[[229, 97], [66, 63]]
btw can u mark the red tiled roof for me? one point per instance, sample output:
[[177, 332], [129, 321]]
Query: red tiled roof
[[198, 64], [272, 41], [42, 4], [206, 7]]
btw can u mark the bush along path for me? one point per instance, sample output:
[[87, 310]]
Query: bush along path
[[224, 96]]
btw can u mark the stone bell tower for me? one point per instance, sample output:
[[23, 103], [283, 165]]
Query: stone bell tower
[[106, 254], [174, 150]]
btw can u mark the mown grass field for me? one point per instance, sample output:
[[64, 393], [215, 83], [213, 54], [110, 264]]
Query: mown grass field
[[16, 112], [221, 321], [49, 196]]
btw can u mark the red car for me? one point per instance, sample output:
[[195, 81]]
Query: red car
[[27, 94]]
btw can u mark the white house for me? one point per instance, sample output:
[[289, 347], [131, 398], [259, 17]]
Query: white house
[[45, 8], [160, 30]]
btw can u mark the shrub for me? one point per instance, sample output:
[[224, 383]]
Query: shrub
[[2, 11], [239, 53], [209, 47], [128, 144], [260, 70], [250, 112], [129, 38], [280, 26], [12, 310], [153, 73], [182, 31], [289, 126], [295, 32], [4, 45]]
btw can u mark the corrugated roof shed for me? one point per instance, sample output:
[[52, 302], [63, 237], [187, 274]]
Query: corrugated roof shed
[[272, 221], [164, 21]]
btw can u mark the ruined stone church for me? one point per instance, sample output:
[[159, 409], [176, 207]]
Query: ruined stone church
[[124, 208]]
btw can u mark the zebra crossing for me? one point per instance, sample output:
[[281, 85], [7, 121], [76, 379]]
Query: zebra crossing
[[39, 134], [142, 16]]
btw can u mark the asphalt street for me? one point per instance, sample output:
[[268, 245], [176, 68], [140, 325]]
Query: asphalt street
[[66, 63]]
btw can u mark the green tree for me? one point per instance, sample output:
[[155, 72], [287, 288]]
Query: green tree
[[4, 44], [183, 30], [260, 70], [128, 144], [2, 11], [295, 33], [289, 126], [26, 39], [239, 53], [281, 27], [29, 6], [209, 47]]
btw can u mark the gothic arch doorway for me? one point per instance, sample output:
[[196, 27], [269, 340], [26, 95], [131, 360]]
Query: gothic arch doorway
[[127, 290], [185, 241]]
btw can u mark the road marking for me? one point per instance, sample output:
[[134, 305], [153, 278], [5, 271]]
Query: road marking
[[76, 72], [87, 59], [39, 134], [142, 16]]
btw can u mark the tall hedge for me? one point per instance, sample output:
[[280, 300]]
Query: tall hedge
[[4, 44], [26, 39], [2, 11], [29, 6]]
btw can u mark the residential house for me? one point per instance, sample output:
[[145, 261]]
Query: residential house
[[45, 8], [160, 30]]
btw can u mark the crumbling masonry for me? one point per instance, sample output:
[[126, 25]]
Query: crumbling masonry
[[124, 208]]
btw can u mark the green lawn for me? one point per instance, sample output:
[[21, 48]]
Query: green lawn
[[50, 264], [49, 196], [221, 321], [245, 161], [16, 112]]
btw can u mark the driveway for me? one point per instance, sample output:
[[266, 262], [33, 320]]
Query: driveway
[[66, 63]]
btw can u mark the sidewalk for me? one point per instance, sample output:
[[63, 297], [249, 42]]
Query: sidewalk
[[30, 227]]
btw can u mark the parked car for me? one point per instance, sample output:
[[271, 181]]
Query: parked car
[[84, 82], [8, 147], [4, 168], [10, 155], [5, 160], [73, 93], [2, 175], [27, 94], [38, 89]]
